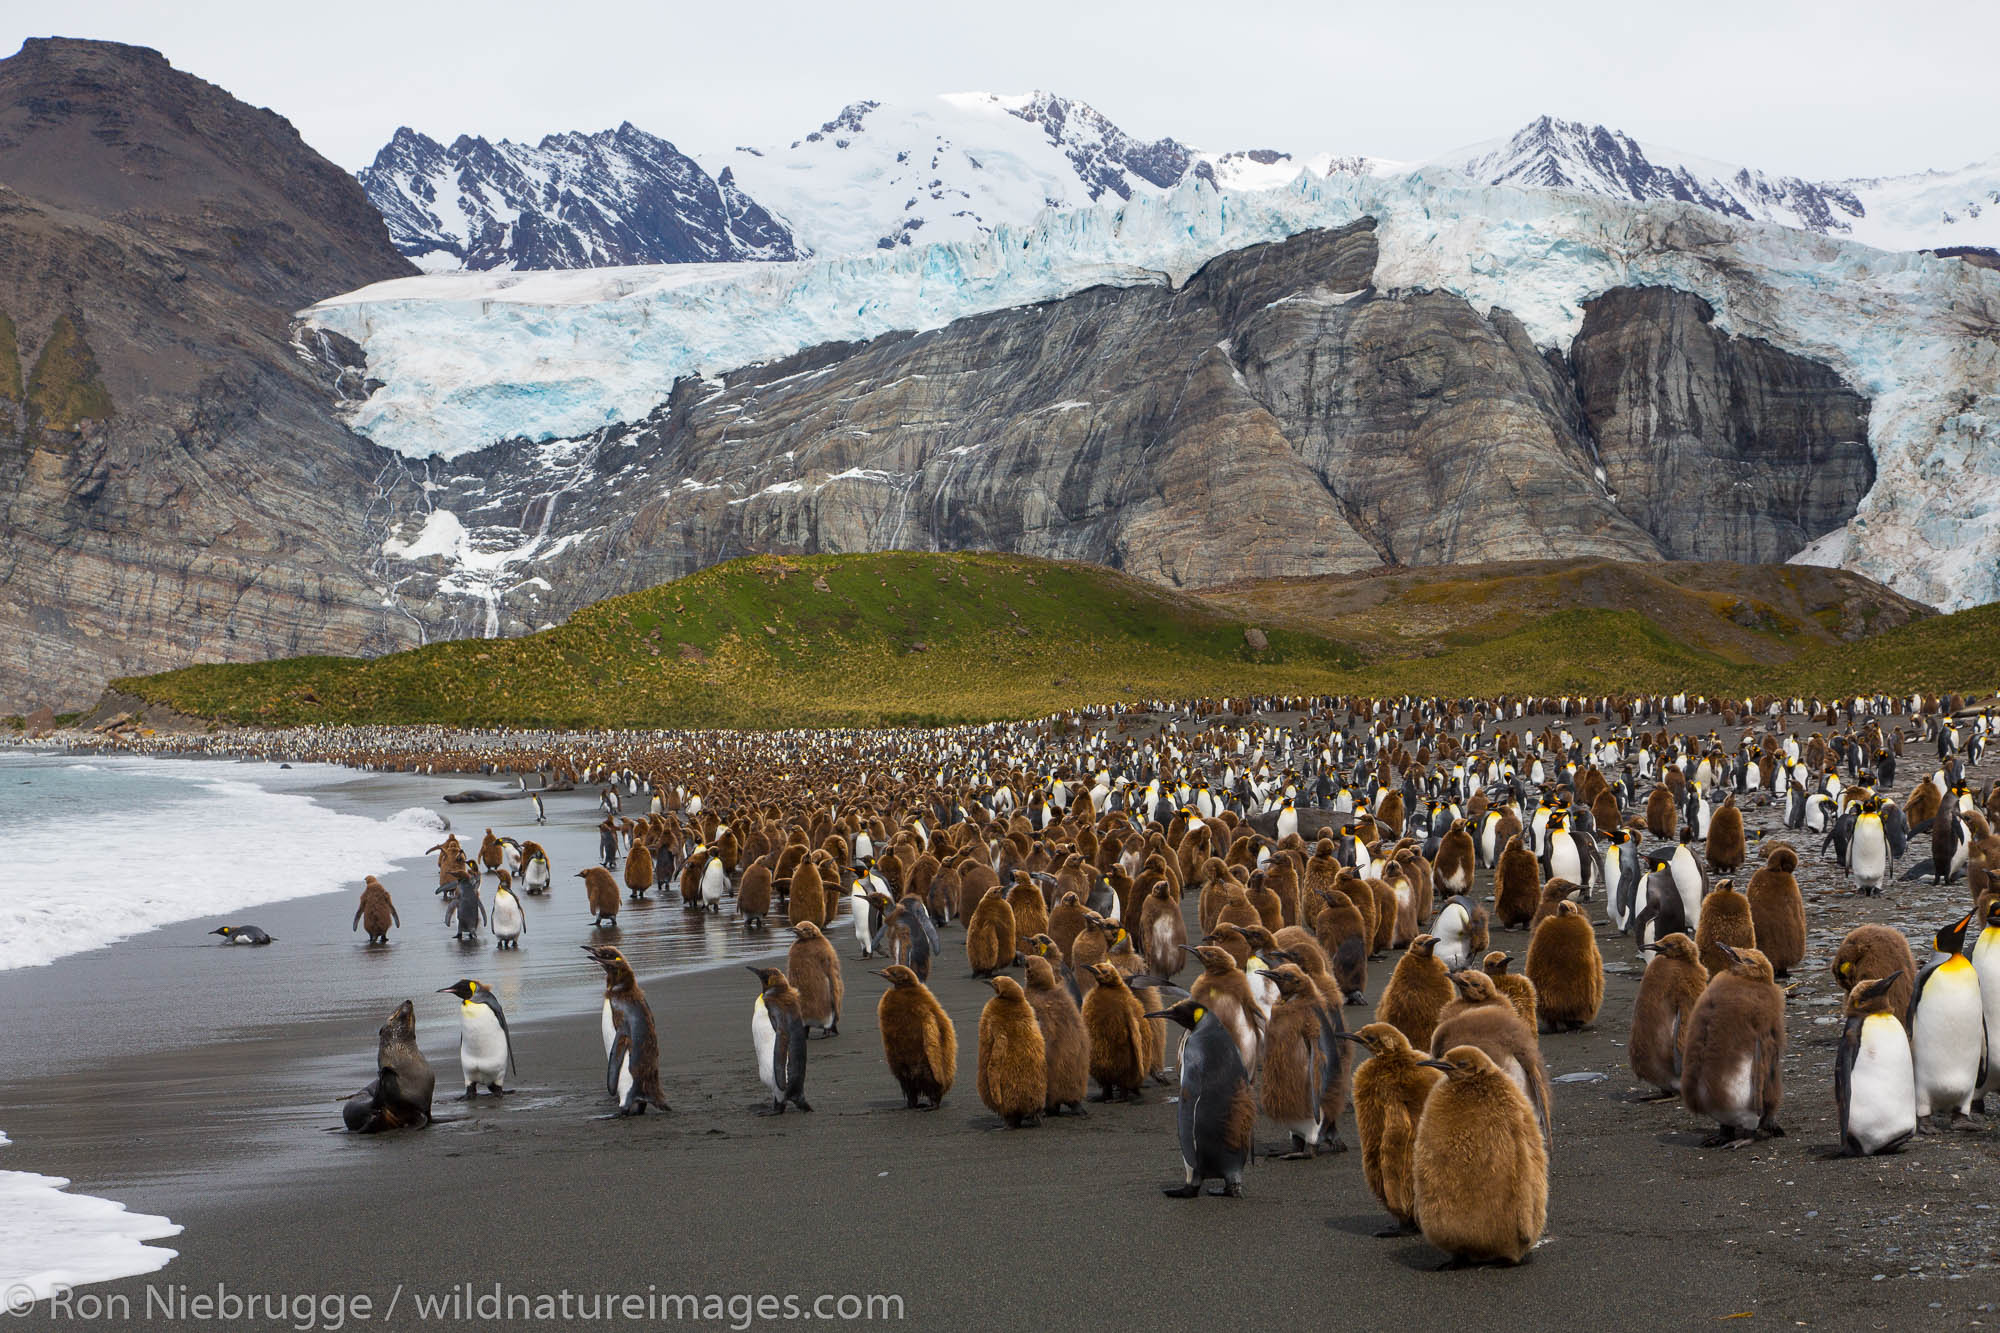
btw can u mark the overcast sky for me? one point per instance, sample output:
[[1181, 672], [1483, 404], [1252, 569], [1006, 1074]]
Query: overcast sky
[[1831, 88]]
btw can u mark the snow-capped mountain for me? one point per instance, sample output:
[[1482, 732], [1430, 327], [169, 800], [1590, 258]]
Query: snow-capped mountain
[[949, 169], [571, 201], [1923, 211], [574, 360]]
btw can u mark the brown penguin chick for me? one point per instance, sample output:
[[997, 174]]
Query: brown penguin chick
[[1114, 1023], [1386, 912], [753, 895], [1066, 1045], [1725, 849], [1566, 969], [602, 891], [1281, 877], [1417, 992], [975, 877], [1520, 991], [1091, 946], [1342, 933], [489, 851], [1457, 859], [917, 1038], [690, 880], [1065, 921], [377, 911], [1390, 1088], [1481, 1016], [1725, 919], [1030, 908], [1663, 817], [1778, 911], [1517, 885], [1668, 993], [1232, 940], [1013, 1059], [1224, 990], [1403, 892], [807, 894], [814, 967], [1555, 891], [1270, 909], [989, 936], [639, 870], [1922, 805], [1301, 1086], [1481, 1170], [1363, 898], [1235, 909], [1162, 931], [1873, 951], [1731, 1055]]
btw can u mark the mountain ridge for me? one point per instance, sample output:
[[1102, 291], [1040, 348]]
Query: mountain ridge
[[959, 167]]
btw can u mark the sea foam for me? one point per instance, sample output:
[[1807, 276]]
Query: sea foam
[[101, 851], [50, 1238]]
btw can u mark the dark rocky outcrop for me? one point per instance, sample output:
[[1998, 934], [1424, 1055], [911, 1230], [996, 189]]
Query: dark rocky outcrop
[[1721, 448], [173, 483]]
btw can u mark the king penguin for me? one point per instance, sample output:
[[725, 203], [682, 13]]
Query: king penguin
[[1874, 1081], [778, 1035], [1947, 1025], [485, 1046], [1216, 1115]]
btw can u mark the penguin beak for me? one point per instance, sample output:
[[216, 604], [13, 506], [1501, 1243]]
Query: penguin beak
[[1435, 1064], [447, 990]]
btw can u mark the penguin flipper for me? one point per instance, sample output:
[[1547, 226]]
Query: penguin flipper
[[621, 1045], [1843, 1070]]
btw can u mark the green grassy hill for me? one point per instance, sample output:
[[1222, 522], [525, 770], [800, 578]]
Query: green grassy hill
[[906, 638], [893, 638]]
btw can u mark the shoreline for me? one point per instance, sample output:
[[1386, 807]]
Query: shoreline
[[199, 1082]]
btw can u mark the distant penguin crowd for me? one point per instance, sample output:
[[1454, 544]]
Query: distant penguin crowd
[[1191, 896]]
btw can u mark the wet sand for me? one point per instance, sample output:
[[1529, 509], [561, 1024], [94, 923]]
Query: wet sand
[[183, 1077]]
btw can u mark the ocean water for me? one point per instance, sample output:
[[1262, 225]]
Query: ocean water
[[98, 849], [51, 1238], [94, 850]]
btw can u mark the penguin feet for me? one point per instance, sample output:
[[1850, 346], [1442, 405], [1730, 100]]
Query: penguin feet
[[1232, 1189], [802, 1104], [1970, 1124], [1182, 1191], [1925, 1125], [496, 1090], [775, 1108], [1331, 1142], [470, 1092]]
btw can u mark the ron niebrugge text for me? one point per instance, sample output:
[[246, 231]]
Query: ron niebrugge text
[[329, 1312]]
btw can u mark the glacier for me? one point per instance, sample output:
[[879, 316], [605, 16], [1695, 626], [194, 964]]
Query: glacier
[[468, 360]]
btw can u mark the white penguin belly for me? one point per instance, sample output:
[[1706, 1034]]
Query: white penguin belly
[[1451, 948], [765, 1038], [625, 1079], [1882, 1088], [1564, 863], [1739, 1104], [507, 919], [1948, 1044], [482, 1045], [610, 1028], [1986, 967], [713, 882]]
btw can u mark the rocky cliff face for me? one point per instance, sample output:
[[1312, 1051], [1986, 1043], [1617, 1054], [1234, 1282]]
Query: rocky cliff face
[[173, 483], [1720, 447], [1276, 415]]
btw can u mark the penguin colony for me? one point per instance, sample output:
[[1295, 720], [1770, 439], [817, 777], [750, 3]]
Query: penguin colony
[[1191, 902]]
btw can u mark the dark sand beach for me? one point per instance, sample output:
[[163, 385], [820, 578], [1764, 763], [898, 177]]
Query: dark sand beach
[[186, 1078]]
